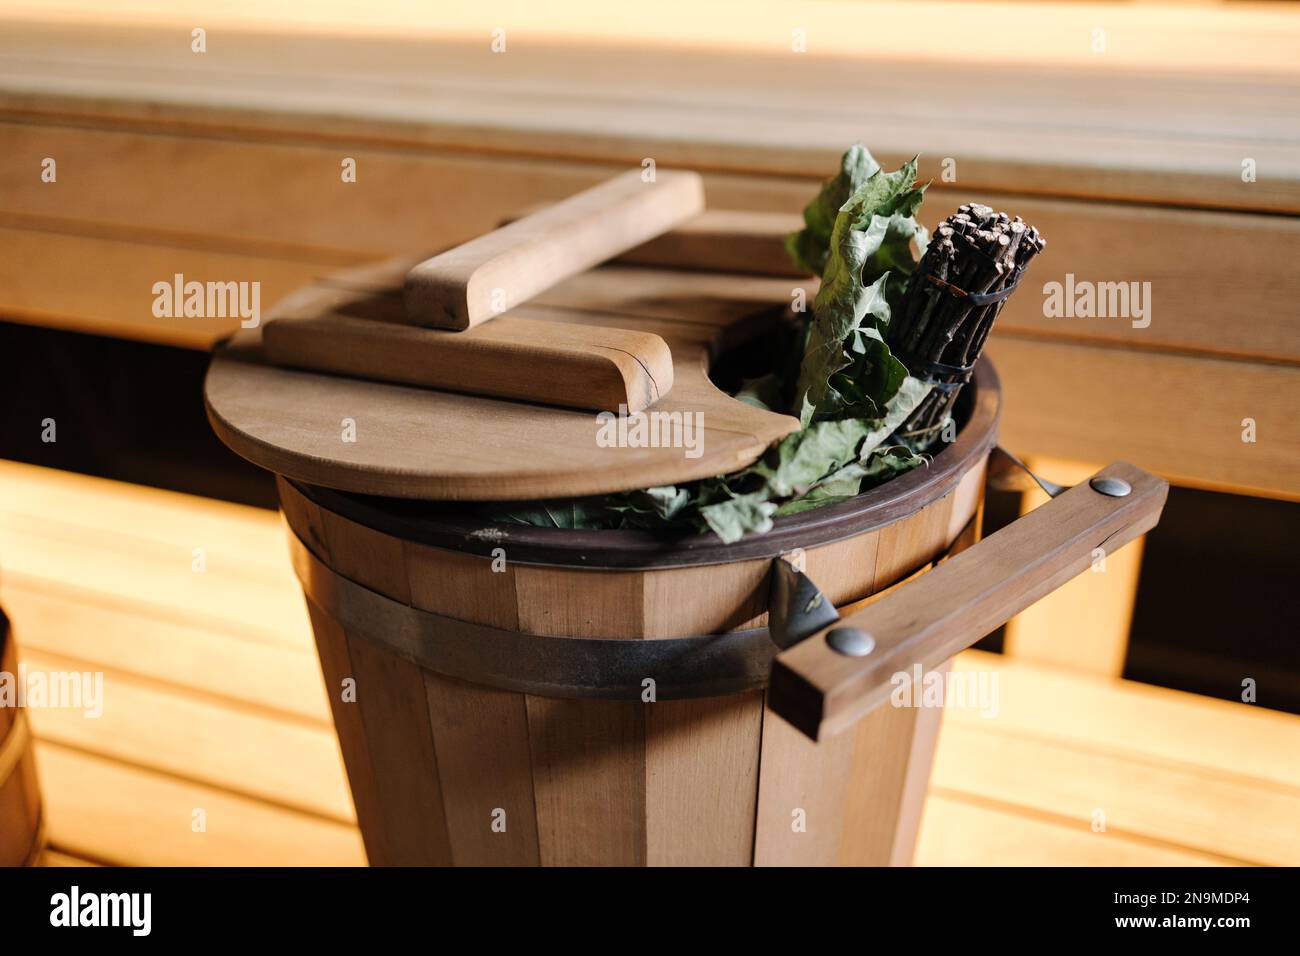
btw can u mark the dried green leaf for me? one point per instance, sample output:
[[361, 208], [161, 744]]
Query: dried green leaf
[[570, 513], [847, 369], [809, 247], [732, 518], [800, 460], [909, 395]]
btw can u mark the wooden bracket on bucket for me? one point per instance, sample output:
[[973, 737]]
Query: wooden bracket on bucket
[[823, 690]]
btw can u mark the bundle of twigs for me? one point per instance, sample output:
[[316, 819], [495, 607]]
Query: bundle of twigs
[[974, 261]]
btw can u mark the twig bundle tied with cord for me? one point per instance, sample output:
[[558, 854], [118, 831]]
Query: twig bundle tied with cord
[[973, 263]]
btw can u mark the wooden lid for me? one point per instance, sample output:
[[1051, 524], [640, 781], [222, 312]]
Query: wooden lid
[[457, 528], [410, 442]]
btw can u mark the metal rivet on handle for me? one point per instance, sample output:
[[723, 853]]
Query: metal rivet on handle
[[850, 641], [1115, 487]]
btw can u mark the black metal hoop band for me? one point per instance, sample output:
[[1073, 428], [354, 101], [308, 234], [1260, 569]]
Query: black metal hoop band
[[609, 668]]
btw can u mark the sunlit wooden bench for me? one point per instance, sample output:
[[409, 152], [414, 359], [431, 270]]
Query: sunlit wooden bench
[[1168, 155], [214, 702]]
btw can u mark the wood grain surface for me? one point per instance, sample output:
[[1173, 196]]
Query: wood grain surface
[[1132, 163], [419, 443], [946, 610], [704, 781], [1017, 788], [20, 797], [548, 363], [1166, 114], [506, 267]]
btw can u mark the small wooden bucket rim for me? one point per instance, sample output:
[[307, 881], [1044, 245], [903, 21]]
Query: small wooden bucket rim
[[446, 527]]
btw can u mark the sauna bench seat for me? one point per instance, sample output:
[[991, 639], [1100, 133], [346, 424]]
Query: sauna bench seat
[[214, 702]]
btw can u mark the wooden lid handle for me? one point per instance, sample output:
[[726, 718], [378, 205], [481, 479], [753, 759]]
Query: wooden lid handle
[[821, 690], [484, 277], [530, 360]]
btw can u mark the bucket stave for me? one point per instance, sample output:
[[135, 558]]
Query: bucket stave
[[448, 770], [20, 802]]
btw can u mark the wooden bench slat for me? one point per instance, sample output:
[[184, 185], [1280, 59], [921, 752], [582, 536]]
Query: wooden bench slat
[[1148, 125], [227, 598], [1179, 252], [261, 755], [138, 512], [959, 831], [1210, 813], [1138, 721], [207, 662], [113, 813], [1182, 779]]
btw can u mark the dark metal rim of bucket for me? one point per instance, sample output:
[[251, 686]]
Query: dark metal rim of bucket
[[444, 526]]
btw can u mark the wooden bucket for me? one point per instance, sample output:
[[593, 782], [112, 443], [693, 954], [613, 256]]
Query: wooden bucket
[[515, 695], [20, 800], [458, 755]]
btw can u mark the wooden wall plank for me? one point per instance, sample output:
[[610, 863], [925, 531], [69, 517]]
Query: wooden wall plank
[[1226, 38], [314, 219], [1220, 283], [1150, 126], [280, 200], [1178, 416], [1179, 251], [81, 284], [1184, 290]]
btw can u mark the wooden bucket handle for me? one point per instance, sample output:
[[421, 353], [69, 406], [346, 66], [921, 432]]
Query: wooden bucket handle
[[484, 277], [826, 683]]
